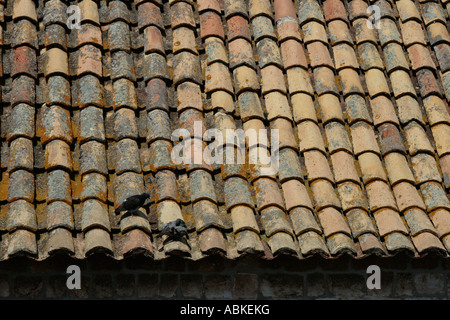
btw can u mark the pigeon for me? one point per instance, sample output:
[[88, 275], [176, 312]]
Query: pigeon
[[174, 229], [133, 203]]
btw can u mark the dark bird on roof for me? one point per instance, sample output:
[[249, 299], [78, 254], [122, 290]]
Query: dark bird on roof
[[133, 203], [175, 231]]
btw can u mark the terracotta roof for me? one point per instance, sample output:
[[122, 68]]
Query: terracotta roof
[[362, 113]]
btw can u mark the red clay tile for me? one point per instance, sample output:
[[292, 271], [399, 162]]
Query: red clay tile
[[24, 33], [310, 137], [434, 196], [262, 27], [186, 67], [334, 9], [181, 14], [215, 51], [21, 186], [222, 100], [371, 167], [351, 196], [277, 106], [309, 10], [436, 110], [97, 239], [56, 125], [303, 221], [369, 56], [235, 7], [189, 96], [299, 81], [441, 220], [344, 57], [371, 244], [408, 10], [211, 25], [89, 61], [344, 167], [237, 193], [317, 166], [135, 241], [401, 83], [418, 221], [412, 33], [113, 147], [417, 139], [319, 55], [330, 108], [58, 155], [438, 33], [360, 222], [383, 110], [339, 32], [267, 193], [427, 242], [296, 195], [260, 7], [241, 53], [218, 77], [314, 31], [214, 5], [440, 132], [303, 107], [149, 14], [324, 195], [288, 29], [21, 215], [24, 62], [397, 168], [206, 215], [60, 240], [153, 40], [21, 154], [274, 220], [22, 242], [407, 196], [268, 53], [420, 57], [390, 139], [238, 27], [333, 222], [363, 138], [24, 9], [325, 81], [376, 83], [212, 240], [389, 221], [444, 162], [380, 196], [245, 78], [89, 12], [284, 8], [243, 217], [293, 54], [351, 84], [442, 51], [427, 83]]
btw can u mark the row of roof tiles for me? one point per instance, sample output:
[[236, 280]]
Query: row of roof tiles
[[362, 116]]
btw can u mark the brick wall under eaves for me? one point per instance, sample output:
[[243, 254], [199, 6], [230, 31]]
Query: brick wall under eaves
[[215, 278]]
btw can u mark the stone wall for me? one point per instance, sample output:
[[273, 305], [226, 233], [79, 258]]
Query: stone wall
[[216, 278]]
